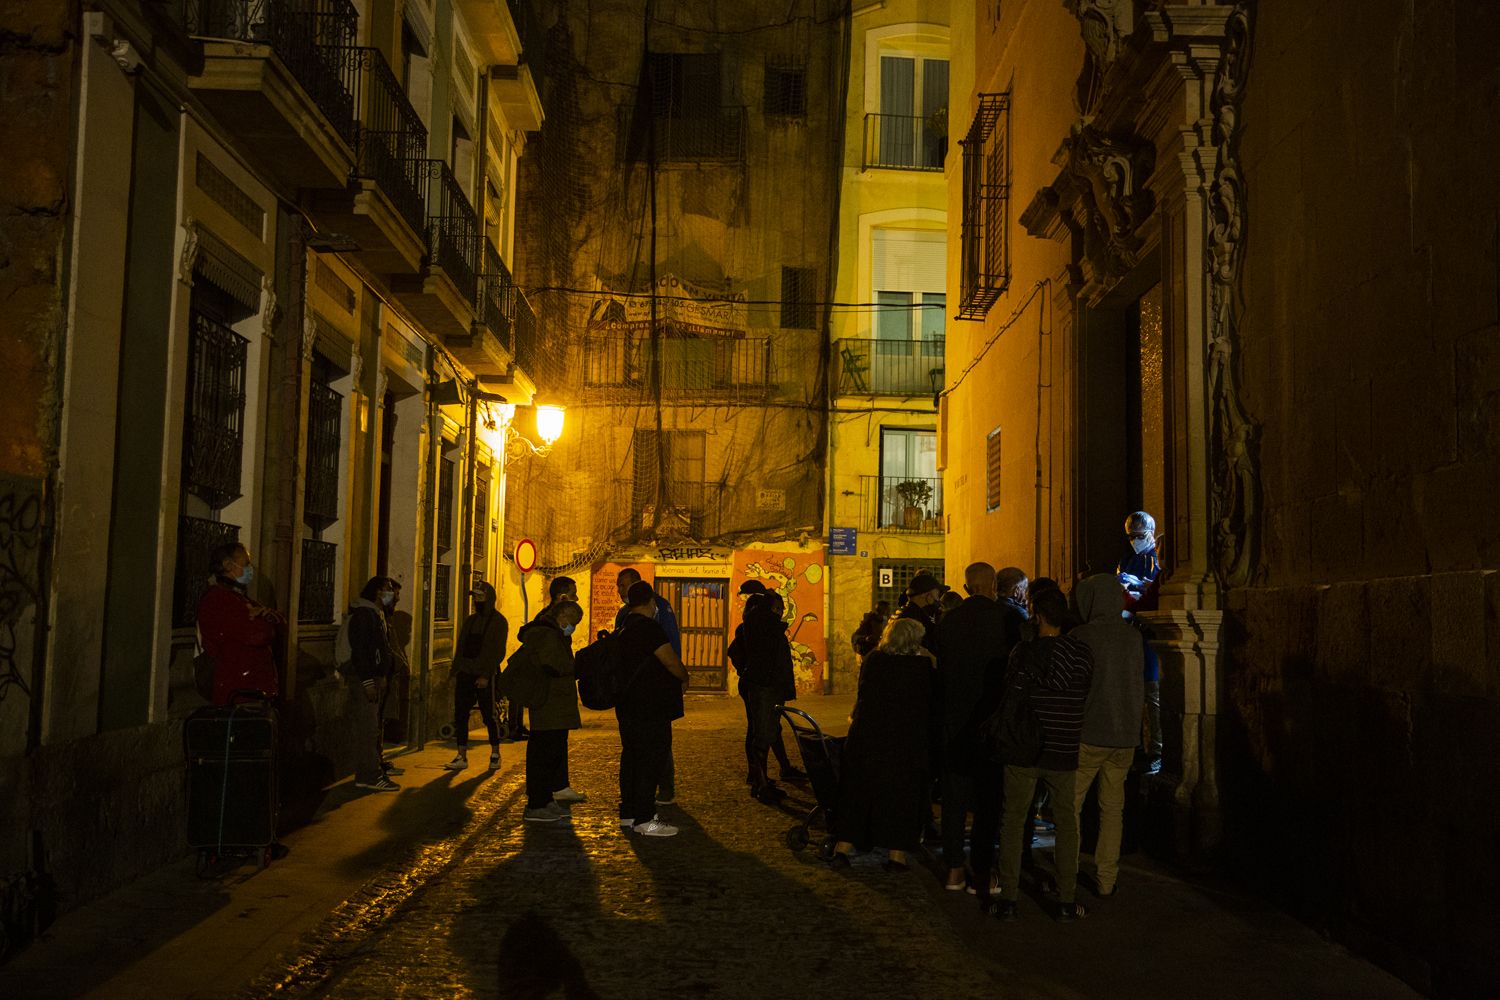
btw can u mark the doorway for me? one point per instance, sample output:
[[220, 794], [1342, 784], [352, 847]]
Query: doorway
[[702, 608]]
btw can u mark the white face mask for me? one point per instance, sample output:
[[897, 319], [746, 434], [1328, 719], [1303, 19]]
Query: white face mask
[[387, 597], [568, 629], [1142, 544]]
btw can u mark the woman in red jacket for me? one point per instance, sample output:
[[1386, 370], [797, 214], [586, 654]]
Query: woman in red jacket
[[238, 632]]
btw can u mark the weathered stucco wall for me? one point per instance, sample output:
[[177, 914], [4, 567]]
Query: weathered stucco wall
[[1365, 671]]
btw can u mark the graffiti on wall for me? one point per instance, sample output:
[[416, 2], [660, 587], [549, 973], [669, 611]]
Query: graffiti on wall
[[798, 578], [604, 598]]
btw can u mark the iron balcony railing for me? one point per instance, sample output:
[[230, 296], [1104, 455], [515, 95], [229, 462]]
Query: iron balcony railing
[[528, 341], [901, 503], [710, 366], [719, 135], [197, 537], [314, 39], [875, 367], [903, 142], [392, 139], [319, 565], [453, 231], [497, 297]]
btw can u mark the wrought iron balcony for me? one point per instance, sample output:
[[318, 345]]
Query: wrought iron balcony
[[314, 41], [903, 142], [901, 503], [497, 298], [876, 367], [713, 366], [527, 344], [392, 139], [214, 441], [454, 238]]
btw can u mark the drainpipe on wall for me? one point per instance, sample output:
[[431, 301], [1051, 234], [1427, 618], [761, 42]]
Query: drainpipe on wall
[[427, 560]]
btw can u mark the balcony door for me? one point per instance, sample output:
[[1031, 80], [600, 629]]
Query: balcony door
[[908, 272], [908, 477], [913, 90]]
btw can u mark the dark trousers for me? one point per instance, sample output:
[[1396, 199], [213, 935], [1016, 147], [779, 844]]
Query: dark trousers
[[465, 694], [987, 785], [546, 763], [958, 799], [645, 752]]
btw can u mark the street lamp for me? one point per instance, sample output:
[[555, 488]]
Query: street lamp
[[549, 423]]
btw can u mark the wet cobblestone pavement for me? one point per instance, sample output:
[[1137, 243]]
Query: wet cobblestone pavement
[[512, 909]]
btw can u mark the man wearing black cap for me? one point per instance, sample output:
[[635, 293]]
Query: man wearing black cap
[[922, 600]]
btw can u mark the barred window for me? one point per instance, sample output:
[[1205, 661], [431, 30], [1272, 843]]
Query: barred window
[[446, 469], [798, 298], [481, 523], [992, 471], [983, 249], [786, 92], [320, 494]]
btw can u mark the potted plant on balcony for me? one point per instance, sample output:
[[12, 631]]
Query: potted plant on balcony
[[914, 496]]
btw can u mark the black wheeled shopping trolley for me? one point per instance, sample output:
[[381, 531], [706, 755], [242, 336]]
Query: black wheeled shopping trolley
[[820, 759], [231, 780]]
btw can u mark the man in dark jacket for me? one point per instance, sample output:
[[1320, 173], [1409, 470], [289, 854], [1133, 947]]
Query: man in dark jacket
[[647, 706], [1052, 672], [763, 659], [370, 665], [477, 651], [1112, 719], [922, 600], [973, 644], [662, 613]]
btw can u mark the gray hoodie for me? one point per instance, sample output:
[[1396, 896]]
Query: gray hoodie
[[1112, 714]]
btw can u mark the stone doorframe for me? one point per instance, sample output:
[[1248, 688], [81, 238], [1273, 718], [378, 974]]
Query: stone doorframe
[[1150, 171]]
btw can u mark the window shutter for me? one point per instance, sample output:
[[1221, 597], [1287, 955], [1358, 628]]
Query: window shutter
[[909, 260]]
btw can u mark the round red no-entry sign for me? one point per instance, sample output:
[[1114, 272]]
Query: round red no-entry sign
[[526, 555]]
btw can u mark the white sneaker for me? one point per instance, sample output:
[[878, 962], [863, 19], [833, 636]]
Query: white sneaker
[[655, 828], [627, 822], [495, 761], [568, 795], [546, 814], [459, 762]]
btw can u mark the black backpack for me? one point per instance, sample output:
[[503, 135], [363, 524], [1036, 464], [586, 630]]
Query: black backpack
[[1013, 734], [602, 676]]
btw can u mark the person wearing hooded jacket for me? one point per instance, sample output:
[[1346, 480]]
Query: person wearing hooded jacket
[[548, 638], [1112, 714], [370, 664], [477, 652], [762, 656]]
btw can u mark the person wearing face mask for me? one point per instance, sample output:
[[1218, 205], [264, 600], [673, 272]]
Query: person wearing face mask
[[477, 652], [400, 667], [1139, 572], [549, 637], [237, 631], [370, 664]]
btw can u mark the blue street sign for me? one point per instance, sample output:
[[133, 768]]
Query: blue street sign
[[842, 541]]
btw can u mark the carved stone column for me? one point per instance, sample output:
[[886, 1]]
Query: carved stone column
[[1211, 540]]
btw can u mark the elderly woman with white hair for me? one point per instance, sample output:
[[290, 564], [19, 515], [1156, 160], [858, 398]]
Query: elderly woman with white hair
[[882, 800]]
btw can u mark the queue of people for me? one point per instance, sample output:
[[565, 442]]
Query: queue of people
[[1015, 695]]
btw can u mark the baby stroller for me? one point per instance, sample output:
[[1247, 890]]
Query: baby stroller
[[820, 759]]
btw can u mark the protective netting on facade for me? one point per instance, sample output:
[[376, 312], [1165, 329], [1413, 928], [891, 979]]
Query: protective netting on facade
[[677, 241]]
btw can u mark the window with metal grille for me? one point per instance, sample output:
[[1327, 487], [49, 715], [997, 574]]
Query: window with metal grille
[[315, 601], [442, 592], [320, 494], [798, 299], [214, 437], [983, 248], [892, 576], [481, 523], [670, 469], [446, 469], [679, 113], [992, 471], [786, 92]]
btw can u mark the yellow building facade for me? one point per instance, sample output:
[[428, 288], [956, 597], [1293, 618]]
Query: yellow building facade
[[886, 508]]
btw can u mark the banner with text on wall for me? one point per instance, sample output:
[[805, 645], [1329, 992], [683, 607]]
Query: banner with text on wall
[[797, 576]]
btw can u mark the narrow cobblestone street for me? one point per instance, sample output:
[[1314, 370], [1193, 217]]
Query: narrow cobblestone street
[[455, 897]]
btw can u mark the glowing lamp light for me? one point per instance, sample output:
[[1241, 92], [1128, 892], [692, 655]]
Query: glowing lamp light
[[549, 423]]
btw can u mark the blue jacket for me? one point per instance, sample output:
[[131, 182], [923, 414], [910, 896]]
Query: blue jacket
[[665, 617]]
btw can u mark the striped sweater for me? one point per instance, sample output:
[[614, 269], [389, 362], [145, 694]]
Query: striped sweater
[[1059, 669]]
